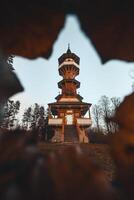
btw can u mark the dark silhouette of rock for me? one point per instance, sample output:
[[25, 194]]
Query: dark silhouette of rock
[[123, 146], [30, 28]]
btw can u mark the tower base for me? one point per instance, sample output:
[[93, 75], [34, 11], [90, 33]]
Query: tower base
[[71, 134]]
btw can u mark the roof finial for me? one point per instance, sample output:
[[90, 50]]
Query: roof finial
[[68, 45], [68, 50]]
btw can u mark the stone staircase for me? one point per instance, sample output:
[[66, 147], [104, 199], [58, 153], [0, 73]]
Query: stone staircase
[[70, 134]]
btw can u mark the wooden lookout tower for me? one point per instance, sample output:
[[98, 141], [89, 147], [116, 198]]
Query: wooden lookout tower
[[67, 113]]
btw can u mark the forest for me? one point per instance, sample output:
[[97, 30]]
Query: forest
[[35, 119]]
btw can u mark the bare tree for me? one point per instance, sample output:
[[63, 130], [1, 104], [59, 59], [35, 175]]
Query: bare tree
[[105, 112], [115, 102], [96, 111]]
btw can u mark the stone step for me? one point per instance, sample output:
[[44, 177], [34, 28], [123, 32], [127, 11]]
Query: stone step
[[70, 134]]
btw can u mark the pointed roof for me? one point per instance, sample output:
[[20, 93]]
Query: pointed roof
[[68, 50], [69, 54]]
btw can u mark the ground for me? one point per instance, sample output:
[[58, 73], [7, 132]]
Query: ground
[[100, 153]]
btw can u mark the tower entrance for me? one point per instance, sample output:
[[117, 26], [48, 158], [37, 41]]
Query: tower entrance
[[69, 119]]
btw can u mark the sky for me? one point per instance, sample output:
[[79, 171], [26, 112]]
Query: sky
[[39, 77]]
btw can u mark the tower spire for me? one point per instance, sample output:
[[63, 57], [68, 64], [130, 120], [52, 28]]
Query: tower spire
[[68, 45], [68, 50]]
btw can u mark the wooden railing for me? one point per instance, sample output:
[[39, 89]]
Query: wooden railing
[[84, 121], [69, 63], [55, 121]]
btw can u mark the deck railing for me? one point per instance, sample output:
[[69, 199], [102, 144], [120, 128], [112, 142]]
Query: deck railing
[[68, 63], [84, 121], [55, 121]]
